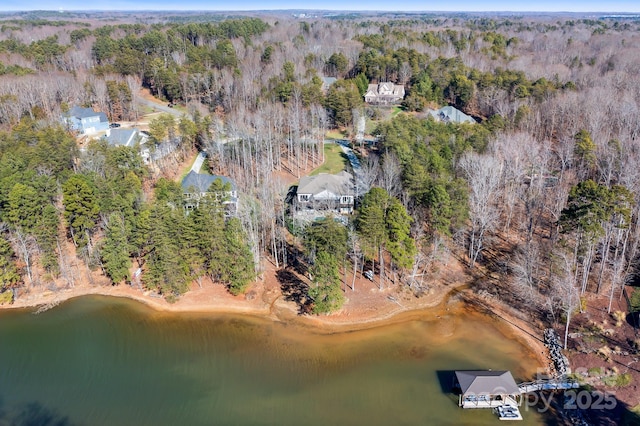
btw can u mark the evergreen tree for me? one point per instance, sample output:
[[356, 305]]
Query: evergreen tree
[[400, 245], [9, 274], [384, 224], [342, 98], [166, 271], [115, 250], [47, 236], [80, 208], [326, 235], [326, 293], [24, 207], [239, 270]]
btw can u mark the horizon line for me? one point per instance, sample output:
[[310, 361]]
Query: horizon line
[[62, 10]]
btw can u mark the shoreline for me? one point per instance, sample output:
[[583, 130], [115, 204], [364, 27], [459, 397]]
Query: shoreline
[[269, 303]]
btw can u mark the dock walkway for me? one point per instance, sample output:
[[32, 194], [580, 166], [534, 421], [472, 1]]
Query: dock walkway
[[548, 384]]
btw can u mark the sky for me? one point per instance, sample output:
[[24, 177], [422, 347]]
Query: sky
[[632, 6]]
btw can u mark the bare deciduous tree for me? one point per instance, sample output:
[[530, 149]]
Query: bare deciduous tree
[[483, 175]]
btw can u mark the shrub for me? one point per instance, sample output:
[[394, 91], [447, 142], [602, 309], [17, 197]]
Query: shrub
[[634, 300], [605, 352], [6, 297], [619, 316], [624, 379], [618, 380], [595, 371]]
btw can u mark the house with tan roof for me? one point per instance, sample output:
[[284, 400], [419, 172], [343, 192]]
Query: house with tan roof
[[326, 193], [385, 93]]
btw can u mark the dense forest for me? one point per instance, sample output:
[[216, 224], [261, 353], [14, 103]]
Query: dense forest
[[542, 192]]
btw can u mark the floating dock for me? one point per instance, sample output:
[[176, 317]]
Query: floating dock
[[508, 412]]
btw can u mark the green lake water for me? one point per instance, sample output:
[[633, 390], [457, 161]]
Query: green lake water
[[108, 361]]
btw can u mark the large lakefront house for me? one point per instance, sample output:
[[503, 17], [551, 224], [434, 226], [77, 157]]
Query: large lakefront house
[[325, 193], [86, 121], [384, 93], [198, 188]]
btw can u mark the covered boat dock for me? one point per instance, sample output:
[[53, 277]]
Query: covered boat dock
[[487, 389]]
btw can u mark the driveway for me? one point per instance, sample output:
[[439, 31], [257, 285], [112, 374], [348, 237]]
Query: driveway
[[160, 107], [197, 164], [361, 188]]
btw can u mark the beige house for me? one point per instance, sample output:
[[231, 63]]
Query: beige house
[[384, 93], [327, 193]]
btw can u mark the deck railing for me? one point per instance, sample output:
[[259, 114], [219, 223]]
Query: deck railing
[[548, 384]]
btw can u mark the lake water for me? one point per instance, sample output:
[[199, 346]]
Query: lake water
[[107, 361]]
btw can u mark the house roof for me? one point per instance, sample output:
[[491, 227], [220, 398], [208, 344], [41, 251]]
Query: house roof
[[385, 88], [328, 81], [339, 184], [80, 113], [202, 182], [451, 114], [487, 382], [124, 137]]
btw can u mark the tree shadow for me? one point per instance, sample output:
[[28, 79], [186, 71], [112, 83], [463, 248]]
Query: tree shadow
[[597, 411], [633, 318], [447, 381], [33, 414], [294, 256], [449, 385], [294, 290], [291, 195]]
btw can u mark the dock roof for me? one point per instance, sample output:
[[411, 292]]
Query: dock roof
[[487, 382]]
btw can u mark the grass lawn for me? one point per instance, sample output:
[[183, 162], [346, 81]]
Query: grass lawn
[[395, 111], [334, 160], [189, 165], [335, 134]]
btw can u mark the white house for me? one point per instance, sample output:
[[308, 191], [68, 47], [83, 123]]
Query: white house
[[86, 121]]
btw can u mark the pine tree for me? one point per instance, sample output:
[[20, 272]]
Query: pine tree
[[9, 274], [115, 250], [384, 224], [166, 271], [239, 270], [80, 209], [47, 237], [326, 294]]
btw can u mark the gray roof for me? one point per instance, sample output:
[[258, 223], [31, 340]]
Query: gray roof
[[340, 184], [202, 182], [451, 114], [126, 137], [479, 382], [328, 81], [80, 113]]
